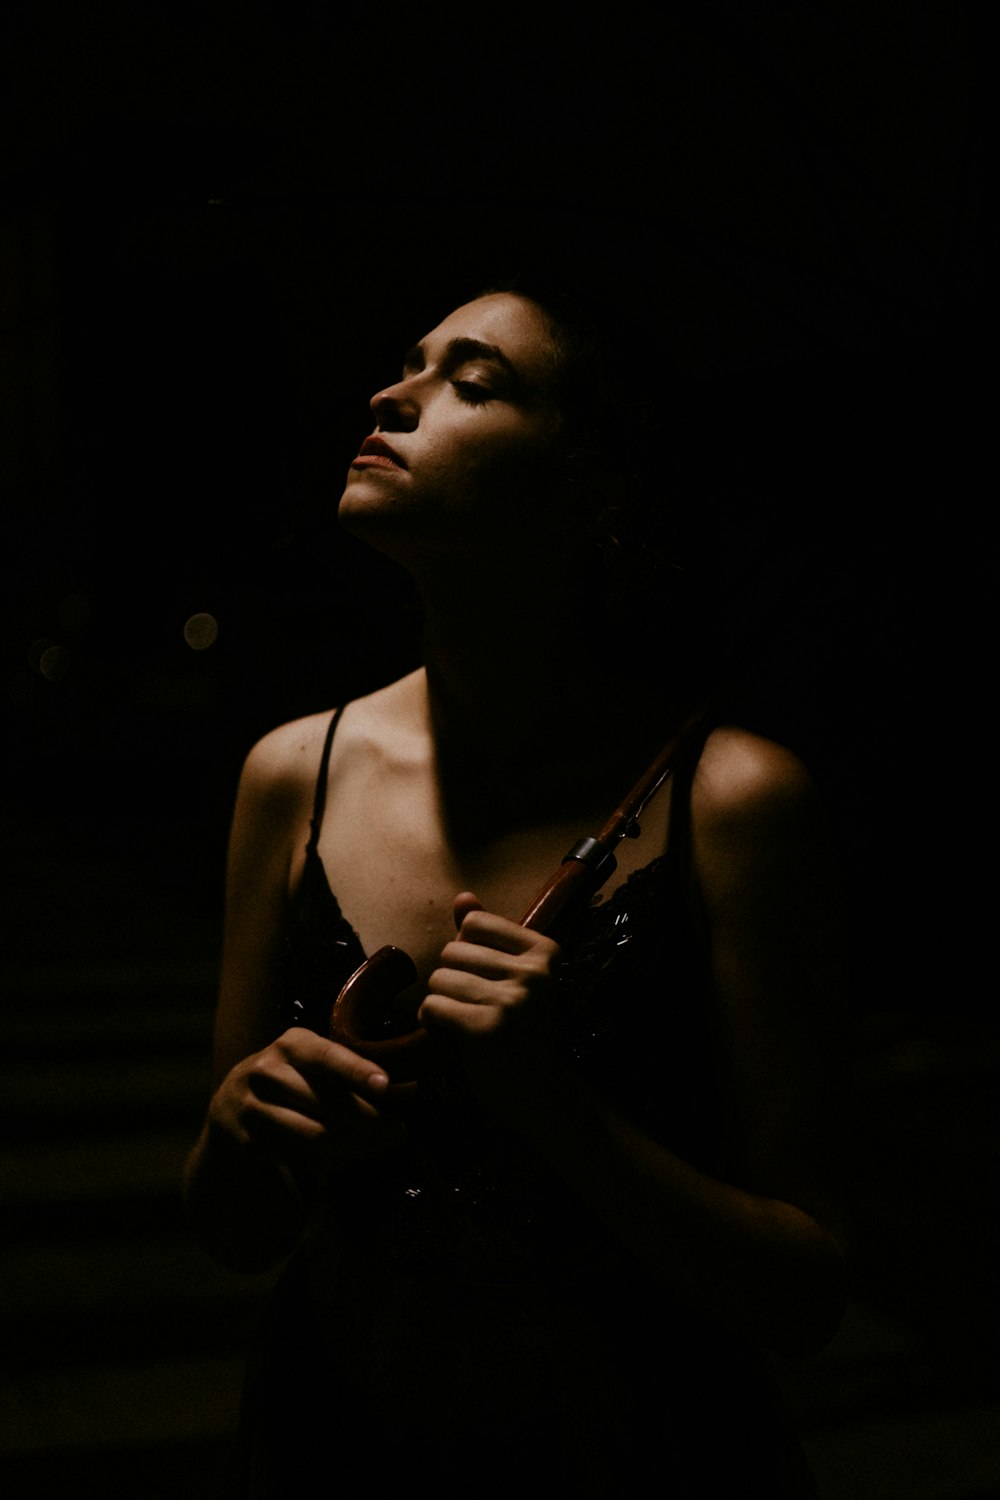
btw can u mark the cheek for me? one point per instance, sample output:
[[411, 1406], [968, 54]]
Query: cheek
[[512, 476]]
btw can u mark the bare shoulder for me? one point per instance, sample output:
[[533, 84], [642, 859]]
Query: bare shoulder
[[743, 776], [756, 814], [282, 765]]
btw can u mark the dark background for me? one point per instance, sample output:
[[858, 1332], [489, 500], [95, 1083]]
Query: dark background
[[219, 226]]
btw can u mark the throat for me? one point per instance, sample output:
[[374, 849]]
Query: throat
[[569, 762]]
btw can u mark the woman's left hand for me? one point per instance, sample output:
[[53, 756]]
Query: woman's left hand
[[493, 994]]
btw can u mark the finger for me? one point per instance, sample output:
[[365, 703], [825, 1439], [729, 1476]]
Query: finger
[[284, 1093], [276, 1128], [475, 958], [492, 931], [465, 902], [444, 1013], [275, 1082], [460, 984], [287, 1136], [322, 1062], [349, 1074]]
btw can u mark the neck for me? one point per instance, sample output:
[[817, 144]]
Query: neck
[[518, 700]]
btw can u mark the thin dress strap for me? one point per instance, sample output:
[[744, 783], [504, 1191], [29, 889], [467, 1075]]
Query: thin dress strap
[[679, 853], [319, 802]]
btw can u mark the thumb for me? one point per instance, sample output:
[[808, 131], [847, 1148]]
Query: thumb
[[465, 902]]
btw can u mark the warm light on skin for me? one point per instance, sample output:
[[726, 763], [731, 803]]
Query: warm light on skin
[[478, 433]]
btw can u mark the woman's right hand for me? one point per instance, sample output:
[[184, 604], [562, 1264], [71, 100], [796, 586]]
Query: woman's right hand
[[305, 1104]]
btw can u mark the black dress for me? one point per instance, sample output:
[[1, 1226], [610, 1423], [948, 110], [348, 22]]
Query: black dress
[[478, 1330]]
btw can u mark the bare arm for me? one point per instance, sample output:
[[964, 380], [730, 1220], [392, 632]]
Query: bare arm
[[764, 1251], [284, 1107]]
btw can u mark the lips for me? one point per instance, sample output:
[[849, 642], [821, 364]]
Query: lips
[[375, 452]]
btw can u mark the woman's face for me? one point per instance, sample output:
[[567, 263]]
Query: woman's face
[[468, 446]]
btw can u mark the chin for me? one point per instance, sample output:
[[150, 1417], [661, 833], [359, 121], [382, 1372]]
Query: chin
[[363, 506], [385, 527]]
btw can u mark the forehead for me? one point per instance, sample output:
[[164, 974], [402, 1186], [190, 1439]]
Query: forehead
[[513, 324]]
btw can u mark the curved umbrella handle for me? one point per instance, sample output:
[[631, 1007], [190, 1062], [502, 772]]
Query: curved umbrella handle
[[359, 1021]]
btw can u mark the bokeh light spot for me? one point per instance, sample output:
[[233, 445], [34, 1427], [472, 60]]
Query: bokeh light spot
[[37, 650], [55, 663], [200, 631]]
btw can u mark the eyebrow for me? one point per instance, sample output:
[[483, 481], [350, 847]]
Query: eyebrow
[[457, 351]]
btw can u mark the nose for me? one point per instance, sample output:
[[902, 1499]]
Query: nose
[[396, 409]]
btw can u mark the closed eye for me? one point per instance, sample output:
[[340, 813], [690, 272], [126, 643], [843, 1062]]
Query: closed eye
[[472, 391]]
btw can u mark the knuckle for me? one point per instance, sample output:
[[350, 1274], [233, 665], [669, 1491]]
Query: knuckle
[[257, 1070], [430, 1008], [297, 1040], [520, 995], [488, 1021], [534, 969], [284, 1046], [254, 1126]]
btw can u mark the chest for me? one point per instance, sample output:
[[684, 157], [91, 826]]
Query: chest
[[395, 864]]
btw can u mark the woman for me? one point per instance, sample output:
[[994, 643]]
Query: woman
[[556, 1266]]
